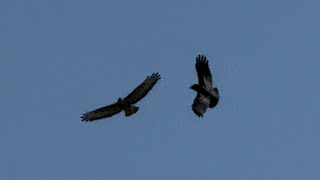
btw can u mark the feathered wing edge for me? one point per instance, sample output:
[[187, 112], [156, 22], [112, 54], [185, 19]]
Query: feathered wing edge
[[142, 90], [200, 105], [203, 70], [103, 112]]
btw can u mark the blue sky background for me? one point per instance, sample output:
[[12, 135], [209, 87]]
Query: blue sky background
[[59, 59]]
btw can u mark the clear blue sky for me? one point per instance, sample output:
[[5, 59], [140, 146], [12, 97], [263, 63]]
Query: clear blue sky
[[59, 59]]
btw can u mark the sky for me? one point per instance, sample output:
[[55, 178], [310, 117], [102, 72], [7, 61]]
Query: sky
[[62, 58]]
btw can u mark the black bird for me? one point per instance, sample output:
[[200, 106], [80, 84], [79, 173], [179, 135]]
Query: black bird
[[207, 94], [125, 104]]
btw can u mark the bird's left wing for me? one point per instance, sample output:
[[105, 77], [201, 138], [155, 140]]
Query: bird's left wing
[[203, 71], [142, 90]]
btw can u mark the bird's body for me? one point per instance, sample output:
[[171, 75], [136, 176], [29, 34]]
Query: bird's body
[[207, 94], [125, 104]]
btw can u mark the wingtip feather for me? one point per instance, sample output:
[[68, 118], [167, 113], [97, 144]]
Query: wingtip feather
[[198, 114], [155, 76], [202, 59], [84, 117]]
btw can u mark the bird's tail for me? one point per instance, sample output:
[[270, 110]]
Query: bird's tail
[[131, 110]]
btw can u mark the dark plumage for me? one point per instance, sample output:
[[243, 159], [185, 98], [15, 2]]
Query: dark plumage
[[207, 95], [125, 104]]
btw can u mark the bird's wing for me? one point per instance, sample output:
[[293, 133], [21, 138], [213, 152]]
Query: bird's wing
[[200, 104], [103, 112], [203, 71], [142, 90]]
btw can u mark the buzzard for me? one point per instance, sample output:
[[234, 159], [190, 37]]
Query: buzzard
[[125, 104], [207, 95]]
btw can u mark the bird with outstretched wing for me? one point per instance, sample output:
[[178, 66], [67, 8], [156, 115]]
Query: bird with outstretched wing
[[207, 94], [125, 104]]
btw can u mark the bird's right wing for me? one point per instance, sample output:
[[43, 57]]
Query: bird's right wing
[[200, 104], [103, 112]]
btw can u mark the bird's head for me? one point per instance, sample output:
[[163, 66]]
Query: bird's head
[[119, 100], [194, 87]]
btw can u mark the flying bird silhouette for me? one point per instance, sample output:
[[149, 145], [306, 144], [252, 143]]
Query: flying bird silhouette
[[207, 94], [125, 104]]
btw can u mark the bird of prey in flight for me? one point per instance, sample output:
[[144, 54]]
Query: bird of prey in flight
[[125, 104], [207, 94]]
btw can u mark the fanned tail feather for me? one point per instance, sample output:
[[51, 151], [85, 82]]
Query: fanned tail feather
[[131, 110]]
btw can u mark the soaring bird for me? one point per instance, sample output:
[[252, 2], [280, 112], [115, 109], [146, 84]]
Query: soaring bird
[[125, 104], [207, 94]]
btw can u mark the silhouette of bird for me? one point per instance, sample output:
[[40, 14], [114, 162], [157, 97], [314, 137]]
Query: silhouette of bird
[[125, 104], [207, 94]]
